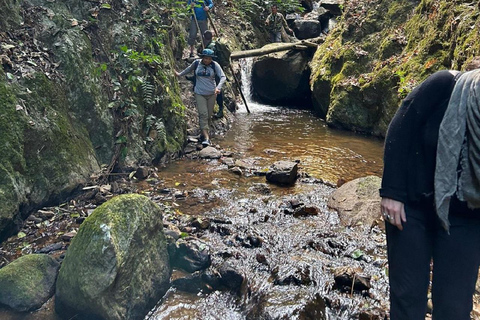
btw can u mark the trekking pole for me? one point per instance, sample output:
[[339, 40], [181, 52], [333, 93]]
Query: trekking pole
[[239, 88], [231, 68], [213, 25], [198, 28]]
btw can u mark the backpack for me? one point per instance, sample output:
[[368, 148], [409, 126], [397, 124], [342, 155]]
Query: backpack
[[223, 54], [195, 66]]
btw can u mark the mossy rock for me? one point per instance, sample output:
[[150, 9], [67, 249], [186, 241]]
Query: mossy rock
[[28, 282], [117, 266]]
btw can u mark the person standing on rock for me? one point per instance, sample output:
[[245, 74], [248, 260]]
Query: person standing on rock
[[205, 70], [431, 197], [275, 21], [200, 9]]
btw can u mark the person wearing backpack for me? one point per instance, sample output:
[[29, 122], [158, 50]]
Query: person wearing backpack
[[200, 9], [205, 70], [212, 45]]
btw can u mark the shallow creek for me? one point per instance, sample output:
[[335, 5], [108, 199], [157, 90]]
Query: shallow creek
[[290, 274]]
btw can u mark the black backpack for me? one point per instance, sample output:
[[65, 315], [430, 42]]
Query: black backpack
[[223, 54]]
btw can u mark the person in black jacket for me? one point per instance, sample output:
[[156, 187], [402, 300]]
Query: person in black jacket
[[415, 234]]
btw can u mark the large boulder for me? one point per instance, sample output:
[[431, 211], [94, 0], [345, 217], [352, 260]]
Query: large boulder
[[283, 172], [28, 282], [358, 202], [117, 266], [282, 78], [306, 29]]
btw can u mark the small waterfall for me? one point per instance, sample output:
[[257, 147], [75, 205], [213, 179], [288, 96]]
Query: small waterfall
[[246, 66]]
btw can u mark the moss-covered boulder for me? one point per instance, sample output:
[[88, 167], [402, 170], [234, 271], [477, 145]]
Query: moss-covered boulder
[[117, 266], [380, 50], [28, 282], [80, 90]]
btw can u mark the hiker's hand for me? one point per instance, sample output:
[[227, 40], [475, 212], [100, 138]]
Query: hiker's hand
[[217, 91], [206, 8], [393, 212], [177, 73]]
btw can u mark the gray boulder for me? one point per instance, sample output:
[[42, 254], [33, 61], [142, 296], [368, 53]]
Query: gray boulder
[[283, 172], [28, 282], [117, 266], [358, 202], [209, 153]]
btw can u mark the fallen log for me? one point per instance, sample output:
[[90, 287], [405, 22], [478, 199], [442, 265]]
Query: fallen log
[[300, 45]]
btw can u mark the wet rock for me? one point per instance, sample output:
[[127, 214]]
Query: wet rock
[[358, 202], [373, 315], [51, 247], [193, 283], [45, 214], [334, 6], [28, 282], [201, 223], [314, 309], [68, 236], [190, 148], [287, 70], [209, 153], [306, 29], [261, 259], [120, 244], [250, 241], [192, 255], [345, 277], [230, 277], [292, 275], [34, 219], [283, 172], [304, 211], [261, 188], [228, 161], [236, 170], [141, 173]]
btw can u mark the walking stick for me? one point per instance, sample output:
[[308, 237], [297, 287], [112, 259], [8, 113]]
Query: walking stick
[[231, 68], [239, 88], [198, 28]]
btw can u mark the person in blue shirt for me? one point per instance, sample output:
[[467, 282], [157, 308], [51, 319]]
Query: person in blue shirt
[[201, 8], [206, 89]]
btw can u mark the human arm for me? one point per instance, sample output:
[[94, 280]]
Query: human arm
[[285, 25], [219, 72], [186, 70], [208, 5]]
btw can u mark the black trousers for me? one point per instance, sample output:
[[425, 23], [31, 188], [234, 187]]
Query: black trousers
[[456, 260]]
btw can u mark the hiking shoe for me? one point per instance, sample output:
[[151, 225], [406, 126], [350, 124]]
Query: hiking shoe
[[206, 142], [191, 55], [219, 114]]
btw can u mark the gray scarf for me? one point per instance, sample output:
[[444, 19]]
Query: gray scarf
[[459, 148]]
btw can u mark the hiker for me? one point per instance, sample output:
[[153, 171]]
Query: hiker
[[201, 8], [205, 70], [210, 44], [431, 197], [275, 21]]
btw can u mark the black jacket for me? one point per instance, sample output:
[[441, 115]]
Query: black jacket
[[411, 142]]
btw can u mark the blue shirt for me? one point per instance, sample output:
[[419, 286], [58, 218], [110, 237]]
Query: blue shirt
[[199, 4]]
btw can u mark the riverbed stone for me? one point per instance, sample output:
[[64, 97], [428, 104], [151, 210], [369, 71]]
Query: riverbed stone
[[191, 255], [358, 202], [28, 282], [117, 266], [209, 153], [283, 172]]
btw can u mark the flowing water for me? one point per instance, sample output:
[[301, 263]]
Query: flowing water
[[294, 247]]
